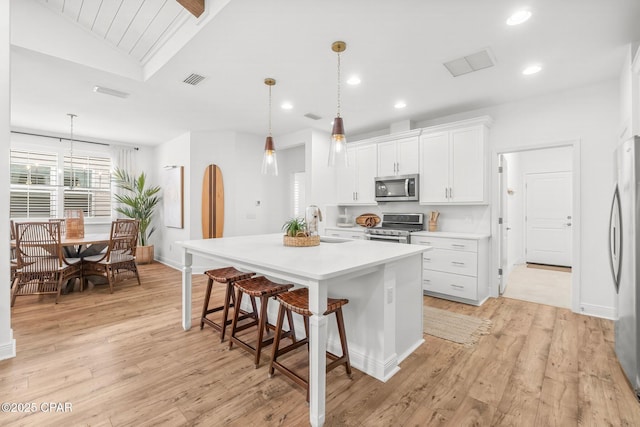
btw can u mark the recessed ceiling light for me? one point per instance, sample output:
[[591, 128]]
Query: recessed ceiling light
[[519, 17], [286, 106], [531, 69], [400, 104], [353, 80]]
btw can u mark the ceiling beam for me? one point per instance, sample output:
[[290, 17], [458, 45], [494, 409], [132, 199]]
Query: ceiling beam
[[195, 7]]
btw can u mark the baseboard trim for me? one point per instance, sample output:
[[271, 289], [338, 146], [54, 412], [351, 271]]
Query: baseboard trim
[[598, 311], [8, 350]]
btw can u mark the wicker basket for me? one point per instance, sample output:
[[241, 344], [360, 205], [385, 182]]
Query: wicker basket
[[301, 241]]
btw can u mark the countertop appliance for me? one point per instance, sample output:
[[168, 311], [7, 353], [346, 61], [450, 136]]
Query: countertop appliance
[[396, 227], [398, 188], [313, 215], [624, 256]]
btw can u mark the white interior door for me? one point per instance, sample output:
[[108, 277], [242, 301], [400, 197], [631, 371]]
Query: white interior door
[[503, 228], [548, 218]]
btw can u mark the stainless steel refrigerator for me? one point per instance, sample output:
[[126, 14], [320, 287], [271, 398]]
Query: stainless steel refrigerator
[[624, 251]]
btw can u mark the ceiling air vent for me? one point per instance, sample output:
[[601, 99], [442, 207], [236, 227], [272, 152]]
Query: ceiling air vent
[[193, 79], [312, 116], [470, 63]]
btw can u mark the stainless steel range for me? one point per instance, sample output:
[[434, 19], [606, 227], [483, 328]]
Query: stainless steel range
[[396, 227]]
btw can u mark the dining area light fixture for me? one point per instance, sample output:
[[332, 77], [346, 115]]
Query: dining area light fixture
[[269, 160], [338, 148], [72, 174]]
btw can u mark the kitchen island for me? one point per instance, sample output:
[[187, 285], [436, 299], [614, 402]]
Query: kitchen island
[[382, 281]]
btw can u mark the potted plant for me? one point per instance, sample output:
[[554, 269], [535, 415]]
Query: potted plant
[[297, 235], [138, 202]]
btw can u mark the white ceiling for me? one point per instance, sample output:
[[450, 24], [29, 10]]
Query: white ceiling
[[396, 47], [134, 27]]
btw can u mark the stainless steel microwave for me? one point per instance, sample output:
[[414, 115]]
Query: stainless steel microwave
[[398, 188]]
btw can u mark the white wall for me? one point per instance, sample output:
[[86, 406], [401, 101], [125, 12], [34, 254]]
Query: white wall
[[7, 343], [239, 157], [592, 115], [173, 153], [290, 161]]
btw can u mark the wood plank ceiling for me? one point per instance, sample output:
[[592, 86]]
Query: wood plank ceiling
[[135, 27]]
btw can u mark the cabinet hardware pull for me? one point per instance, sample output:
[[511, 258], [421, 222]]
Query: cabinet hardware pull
[[457, 286], [456, 245], [397, 167], [426, 280], [446, 193], [457, 263], [427, 259], [450, 193]]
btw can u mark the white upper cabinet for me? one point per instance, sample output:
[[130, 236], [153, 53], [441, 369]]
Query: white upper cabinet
[[355, 184], [399, 157], [453, 163], [434, 165]]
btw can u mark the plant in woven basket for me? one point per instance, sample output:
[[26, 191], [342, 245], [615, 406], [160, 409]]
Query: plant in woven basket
[[139, 202], [295, 227]]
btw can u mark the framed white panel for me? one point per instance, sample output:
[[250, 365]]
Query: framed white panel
[[174, 197]]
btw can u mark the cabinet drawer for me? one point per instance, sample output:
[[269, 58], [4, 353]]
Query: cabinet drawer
[[450, 284], [451, 261], [446, 243]]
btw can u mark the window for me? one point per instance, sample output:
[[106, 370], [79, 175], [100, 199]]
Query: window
[[91, 189], [33, 192], [36, 187], [298, 197]]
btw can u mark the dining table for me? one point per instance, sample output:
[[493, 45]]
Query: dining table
[[81, 247]]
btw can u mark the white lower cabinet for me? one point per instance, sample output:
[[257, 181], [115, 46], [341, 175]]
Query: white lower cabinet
[[345, 233], [456, 268]]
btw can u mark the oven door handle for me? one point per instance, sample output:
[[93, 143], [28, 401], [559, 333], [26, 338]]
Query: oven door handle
[[381, 237]]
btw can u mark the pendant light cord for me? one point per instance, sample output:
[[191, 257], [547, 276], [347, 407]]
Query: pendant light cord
[[269, 110], [72, 174], [338, 84]]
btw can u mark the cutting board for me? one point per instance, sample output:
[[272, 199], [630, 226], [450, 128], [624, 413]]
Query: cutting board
[[212, 203]]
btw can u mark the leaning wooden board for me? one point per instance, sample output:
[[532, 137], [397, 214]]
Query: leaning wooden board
[[212, 203]]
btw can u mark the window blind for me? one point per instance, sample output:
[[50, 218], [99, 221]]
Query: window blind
[[87, 185], [34, 181]]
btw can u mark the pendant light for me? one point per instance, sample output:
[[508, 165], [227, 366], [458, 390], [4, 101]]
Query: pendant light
[[72, 174], [338, 148], [269, 161]]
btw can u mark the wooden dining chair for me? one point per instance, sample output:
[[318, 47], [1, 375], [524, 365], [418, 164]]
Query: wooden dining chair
[[13, 260], [41, 266], [120, 256]]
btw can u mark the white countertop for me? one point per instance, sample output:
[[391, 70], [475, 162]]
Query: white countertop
[[451, 235], [321, 262]]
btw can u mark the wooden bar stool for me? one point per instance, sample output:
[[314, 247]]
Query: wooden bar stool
[[225, 276], [297, 301], [263, 288]]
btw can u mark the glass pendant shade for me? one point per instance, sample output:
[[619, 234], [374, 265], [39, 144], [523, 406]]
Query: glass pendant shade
[[338, 149], [269, 161]]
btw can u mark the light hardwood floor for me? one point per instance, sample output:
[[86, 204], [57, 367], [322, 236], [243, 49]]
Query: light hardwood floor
[[122, 359]]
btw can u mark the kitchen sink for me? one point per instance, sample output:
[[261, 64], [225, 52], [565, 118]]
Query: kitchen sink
[[331, 239]]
